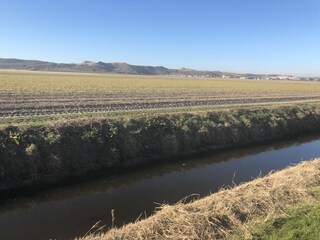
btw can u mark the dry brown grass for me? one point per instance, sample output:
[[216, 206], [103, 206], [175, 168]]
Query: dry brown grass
[[230, 211]]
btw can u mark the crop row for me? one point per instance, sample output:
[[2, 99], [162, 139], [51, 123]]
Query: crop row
[[12, 110]]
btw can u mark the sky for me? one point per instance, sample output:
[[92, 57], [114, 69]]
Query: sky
[[247, 36]]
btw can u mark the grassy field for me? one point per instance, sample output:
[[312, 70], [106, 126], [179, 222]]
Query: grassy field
[[32, 97], [47, 82]]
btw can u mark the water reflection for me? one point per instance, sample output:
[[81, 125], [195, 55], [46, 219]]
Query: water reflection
[[66, 212]]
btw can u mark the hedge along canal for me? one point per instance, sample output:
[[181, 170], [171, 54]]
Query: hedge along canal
[[31, 155]]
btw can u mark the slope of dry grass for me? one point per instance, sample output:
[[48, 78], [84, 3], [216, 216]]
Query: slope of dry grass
[[228, 213]]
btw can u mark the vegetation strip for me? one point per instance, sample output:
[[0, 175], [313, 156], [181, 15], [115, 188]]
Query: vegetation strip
[[231, 213], [30, 154]]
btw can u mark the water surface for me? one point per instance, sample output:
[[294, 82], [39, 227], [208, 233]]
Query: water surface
[[70, 211]]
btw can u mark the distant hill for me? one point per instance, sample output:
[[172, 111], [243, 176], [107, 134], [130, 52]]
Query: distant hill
[[124, 68]]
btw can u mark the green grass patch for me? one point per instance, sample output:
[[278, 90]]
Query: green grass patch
[[301, 222]]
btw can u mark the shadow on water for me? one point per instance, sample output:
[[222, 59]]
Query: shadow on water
[[69, 211]]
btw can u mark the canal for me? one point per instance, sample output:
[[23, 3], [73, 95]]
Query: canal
[[68, 211]]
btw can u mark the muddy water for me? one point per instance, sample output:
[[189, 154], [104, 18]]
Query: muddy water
[[70, 211]]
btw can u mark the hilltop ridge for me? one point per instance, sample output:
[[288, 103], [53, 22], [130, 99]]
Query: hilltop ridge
[[123, 68]]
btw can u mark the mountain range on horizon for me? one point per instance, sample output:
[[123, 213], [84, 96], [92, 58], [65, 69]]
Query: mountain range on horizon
[[119, 68]]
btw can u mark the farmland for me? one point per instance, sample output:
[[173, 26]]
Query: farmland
[[30, 95]]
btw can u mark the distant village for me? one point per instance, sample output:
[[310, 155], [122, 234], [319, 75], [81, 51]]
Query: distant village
[[250, 77]]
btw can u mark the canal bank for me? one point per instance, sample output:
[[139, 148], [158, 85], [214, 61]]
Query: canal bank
[[234, 213], [35, 155]]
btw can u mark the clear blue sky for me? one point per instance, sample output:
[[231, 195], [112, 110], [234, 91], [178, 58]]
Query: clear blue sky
[[259, 36]]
